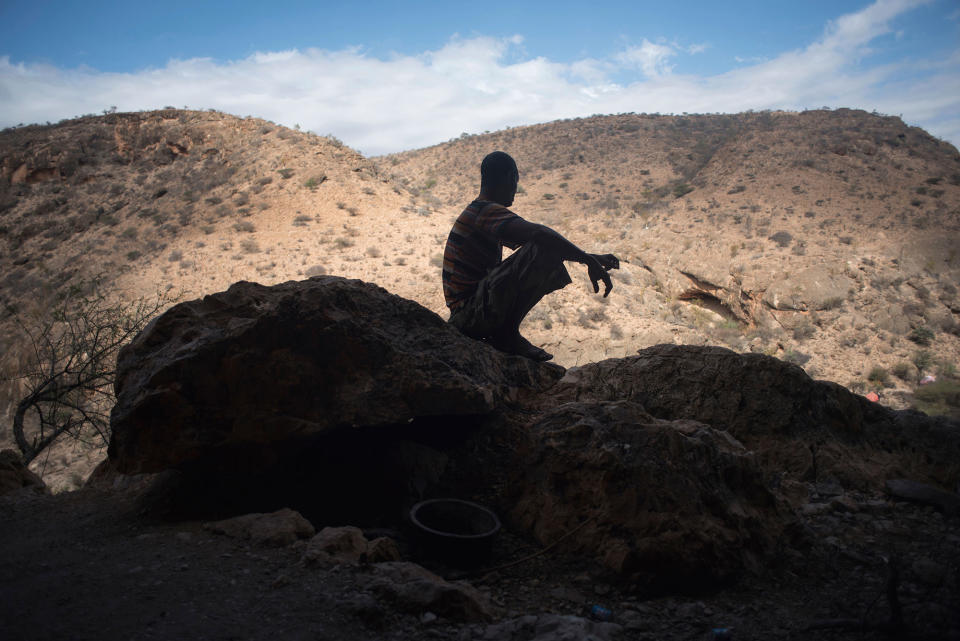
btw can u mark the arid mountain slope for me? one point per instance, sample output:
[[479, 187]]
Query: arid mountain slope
[[829, 234], [828, 237]]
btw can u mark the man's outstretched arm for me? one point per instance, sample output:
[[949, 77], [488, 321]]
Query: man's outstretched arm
[[522, 231]]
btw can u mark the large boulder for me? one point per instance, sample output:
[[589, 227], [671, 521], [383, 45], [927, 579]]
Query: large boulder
[[261, 365], [670, 503], [814, 288], [797, 426]]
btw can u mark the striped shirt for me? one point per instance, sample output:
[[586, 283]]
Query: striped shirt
[[474, 247]]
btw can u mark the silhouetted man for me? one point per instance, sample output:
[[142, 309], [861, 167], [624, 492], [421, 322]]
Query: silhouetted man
[[489, 297]]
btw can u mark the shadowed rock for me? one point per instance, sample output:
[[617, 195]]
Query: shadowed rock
[[260, 365], [338, 399], [671, 503], [797, 426], [14, 475]]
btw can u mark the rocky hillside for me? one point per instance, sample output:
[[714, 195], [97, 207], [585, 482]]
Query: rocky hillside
[[826, 238]]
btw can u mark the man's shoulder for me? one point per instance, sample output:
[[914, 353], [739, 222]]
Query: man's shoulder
[[489, 209]]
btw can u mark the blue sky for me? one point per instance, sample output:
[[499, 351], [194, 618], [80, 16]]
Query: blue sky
[[390, 76]]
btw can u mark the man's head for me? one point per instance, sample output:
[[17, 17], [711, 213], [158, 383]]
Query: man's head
[[499, 178]]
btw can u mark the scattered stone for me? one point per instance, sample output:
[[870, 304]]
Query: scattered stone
[[415, 589], [924, 494], [551, 627], [929, 572], [276, 529], [14, 475], [382, 549], [566, 593], [336, 545], [348, 545], [844, 504]]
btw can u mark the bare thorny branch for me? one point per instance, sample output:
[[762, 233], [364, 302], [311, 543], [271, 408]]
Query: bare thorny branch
[[71, 362]]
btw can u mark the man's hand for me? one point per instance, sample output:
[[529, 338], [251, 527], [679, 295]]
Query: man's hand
[[597, 267], [608, 261]]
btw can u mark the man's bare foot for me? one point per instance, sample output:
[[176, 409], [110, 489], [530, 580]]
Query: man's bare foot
[[517, 344], [529, 350]]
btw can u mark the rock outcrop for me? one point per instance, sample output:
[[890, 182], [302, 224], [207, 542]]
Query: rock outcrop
[[672, 468], [260, 365], [669, 503], [798, 426]]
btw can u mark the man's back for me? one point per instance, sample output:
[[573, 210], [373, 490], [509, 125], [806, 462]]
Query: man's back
[[473, 249]]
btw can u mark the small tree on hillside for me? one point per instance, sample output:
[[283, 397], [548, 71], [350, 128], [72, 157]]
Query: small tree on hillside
[[65, 375]]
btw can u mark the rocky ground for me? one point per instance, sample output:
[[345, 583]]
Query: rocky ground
[[92, 564]]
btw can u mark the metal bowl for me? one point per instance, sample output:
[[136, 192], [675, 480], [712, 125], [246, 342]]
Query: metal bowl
[[454, 531]]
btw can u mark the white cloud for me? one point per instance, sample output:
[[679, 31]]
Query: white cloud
[[651, 58], [476, 84]]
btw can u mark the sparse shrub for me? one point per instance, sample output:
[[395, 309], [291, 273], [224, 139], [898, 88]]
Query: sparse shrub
[[130, 233], [879, 375], [301, 220], [797, 358], [244, 226], [285, 173], [922, 360], [314, 181], [921, 336], [175, 256], [681, 189], [316, 270], [782, 238], [437, 260], [804, 330], [939, 398], [548, 196], [846, 240], [902, 370], [207, 229], [133, 255], [213, 200], [343, 243], [373, 252], [249, 246], [857, 387], [737, 189], [947, 369]]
